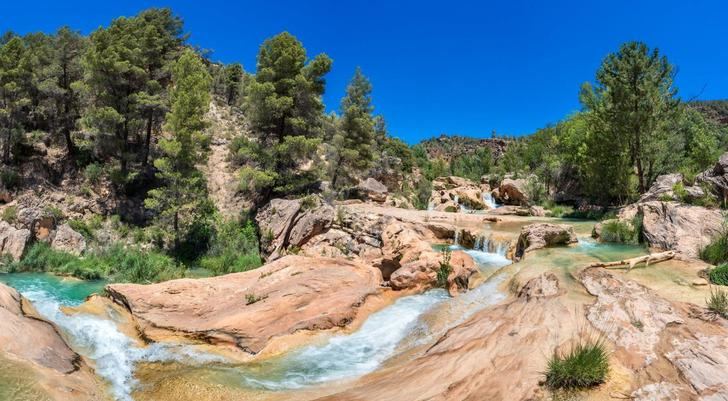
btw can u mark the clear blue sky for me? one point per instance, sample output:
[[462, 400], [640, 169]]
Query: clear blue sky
[[441, 67]]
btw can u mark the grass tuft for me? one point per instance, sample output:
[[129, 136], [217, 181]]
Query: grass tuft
[[585, 365], [718, 302]]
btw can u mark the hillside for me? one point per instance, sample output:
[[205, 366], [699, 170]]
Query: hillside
[[446, 146], [716, 110]]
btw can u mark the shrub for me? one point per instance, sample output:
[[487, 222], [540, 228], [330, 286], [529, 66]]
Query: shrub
[[233, 248], [585, 365], [54, 212], [717, 251], [9, 178], [82, 228], [718, 302], [10, 214], [620, 231], [680, 192], [719, 275], [93, 172], [444, 271]]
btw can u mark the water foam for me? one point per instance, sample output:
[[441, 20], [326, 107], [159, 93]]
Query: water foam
[[113, 352], [351, 355], [489, 200]]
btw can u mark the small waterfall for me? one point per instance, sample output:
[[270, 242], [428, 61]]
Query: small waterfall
[[489, 200], [456, 240], [113, 353]]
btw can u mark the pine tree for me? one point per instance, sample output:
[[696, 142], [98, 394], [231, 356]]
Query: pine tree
[[632, 110], [285, 109], [183, 198], [356, 140], [233, 81], [14, 100]]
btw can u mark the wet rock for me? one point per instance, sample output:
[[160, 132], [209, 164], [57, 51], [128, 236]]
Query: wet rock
[[373, 190], [451, 194], [541, 235], [13, 240], [29, 339], [247, 310], [68, 240], [545, 285]]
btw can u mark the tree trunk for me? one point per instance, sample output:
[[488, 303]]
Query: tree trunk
[[148, 140]]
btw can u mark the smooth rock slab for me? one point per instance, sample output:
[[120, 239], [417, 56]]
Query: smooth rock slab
[[249, 309]]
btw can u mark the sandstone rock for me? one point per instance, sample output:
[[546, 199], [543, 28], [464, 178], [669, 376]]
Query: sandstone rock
[[33, 341], [286, 224], [513, 192], [451, 194], [717, 177], [662, 187], [683, 228], [541, 235], [537, 211], [247, 310], [510, 210], [545, 285], [13, 240], [373, 190], [68, 240]]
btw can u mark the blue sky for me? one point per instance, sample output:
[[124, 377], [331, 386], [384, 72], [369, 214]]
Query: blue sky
[[456, 67]]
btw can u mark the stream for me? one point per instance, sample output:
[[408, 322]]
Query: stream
[[409, 322]]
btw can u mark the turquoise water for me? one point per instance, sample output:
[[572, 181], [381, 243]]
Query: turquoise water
[[66, 291]]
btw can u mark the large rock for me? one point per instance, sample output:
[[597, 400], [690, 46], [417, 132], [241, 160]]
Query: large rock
[[683, 228], [663, 188], [373, 190], [36, 343], [247, 310], [68, 240], [716, 177], [286, 224], [452, 194], [541, 235], [513, 192], [13, 240]]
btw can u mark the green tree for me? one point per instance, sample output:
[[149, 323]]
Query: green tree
[[233, 82], [14, 100], [183, 197], [632, 108], [354, 143], [285, 110]]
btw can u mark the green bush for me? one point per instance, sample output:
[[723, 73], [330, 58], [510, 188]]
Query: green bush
[[680, 192], [616, 230], [10, 214], [719, 275], [93, 172], [444, 271], [82, 228], [9, 178], [717, 251], [115, 263], [234, 248], [718, 302], [52, 211], [585, 365]]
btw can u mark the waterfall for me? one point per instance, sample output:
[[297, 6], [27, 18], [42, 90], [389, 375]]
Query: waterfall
[[114, 354], [489, 201], [456, 240]]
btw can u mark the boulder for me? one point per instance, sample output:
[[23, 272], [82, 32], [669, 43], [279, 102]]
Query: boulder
[[537, 211], [13, 240], [247, 310], [286, 224], [683, 228], [452, 194], [662, 187], [717, 177], [373, 190], [68, 240], [513, 192], [542, 235], [36, 343]]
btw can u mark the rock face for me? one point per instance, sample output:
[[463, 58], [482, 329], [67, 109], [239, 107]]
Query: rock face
[[663, 188], [31, 340], [286, 224], [513, 192], [451, 194], [683, 228], [13, 240], [717, 177], [373, 190], [247, 310], [68, 240], [541, 235]]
